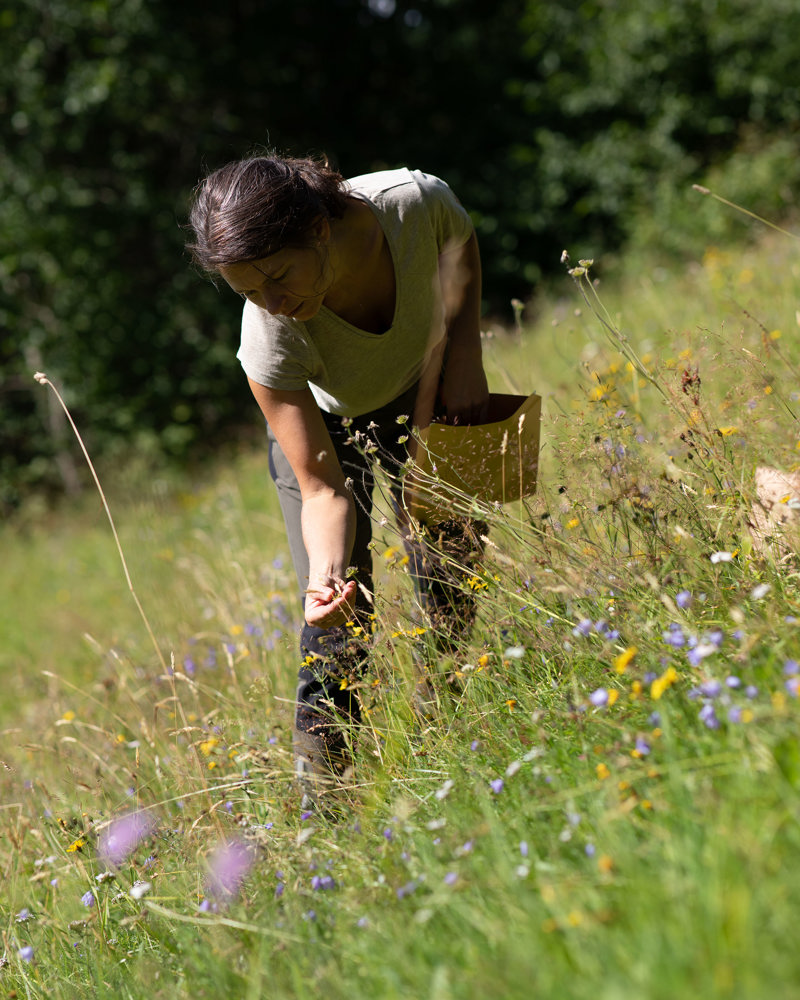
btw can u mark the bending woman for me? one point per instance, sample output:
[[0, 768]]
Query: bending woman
[[362, 303]]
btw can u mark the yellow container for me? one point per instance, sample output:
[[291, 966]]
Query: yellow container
[[494, 462]]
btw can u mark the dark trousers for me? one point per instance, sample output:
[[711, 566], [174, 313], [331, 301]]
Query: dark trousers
[[333, 656]]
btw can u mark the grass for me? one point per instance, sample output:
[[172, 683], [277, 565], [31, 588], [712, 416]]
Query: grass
[[606, 803]]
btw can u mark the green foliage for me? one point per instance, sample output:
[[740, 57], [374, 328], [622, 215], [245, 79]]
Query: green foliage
[[603, 802], [557, 124]]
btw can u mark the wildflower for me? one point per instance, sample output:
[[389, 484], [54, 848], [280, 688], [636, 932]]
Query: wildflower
[[228, 867], [674, 636], [711, 689], [733, 682], [450, 878], [602, 771], [622, 661], [406, 890], [323, 883], [523, 848], [387, 833], [23, 915], [791, 667], [122, 836], [759, 591], [662, 683], [76, 845], [709, 717], [444, 791], [514, 653], [793, 686], [720, 557], [140, 889], [751, 691], [589, 850], [88, 899], [599, 698], [496, 785], [683, 599], [642, 747], [583, 628], [26, 953]]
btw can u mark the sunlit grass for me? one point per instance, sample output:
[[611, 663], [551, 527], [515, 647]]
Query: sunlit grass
[[604, 803]]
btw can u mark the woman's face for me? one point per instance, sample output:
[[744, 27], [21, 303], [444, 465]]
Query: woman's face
[[292, 282]]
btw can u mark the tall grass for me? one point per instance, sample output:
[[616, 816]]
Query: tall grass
[[605, 802]]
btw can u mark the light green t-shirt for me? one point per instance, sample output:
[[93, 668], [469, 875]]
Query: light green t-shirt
[[350, 371]]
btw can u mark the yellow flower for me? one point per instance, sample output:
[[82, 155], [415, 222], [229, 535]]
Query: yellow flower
[[660, 684], [68, 716], [612, 697], [602, 771], [573, 523], [621, 662], [475, 583], [207, 746], [512, 704], [76, 845], [605, 863]]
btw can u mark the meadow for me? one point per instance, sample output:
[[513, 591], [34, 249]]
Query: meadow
[[605, 802]]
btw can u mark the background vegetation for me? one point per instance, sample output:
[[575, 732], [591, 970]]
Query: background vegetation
[[604, 802], [576, 124]]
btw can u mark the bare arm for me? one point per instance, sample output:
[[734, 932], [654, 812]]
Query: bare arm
[[328, 516], [464, 388]]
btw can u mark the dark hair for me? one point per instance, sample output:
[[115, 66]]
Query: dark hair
[[255, 207]]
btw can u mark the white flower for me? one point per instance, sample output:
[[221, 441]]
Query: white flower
[[139, 889], [759, 591], [718, 557], [444, 791]]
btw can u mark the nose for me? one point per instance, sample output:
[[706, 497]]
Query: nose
[[274, 301]]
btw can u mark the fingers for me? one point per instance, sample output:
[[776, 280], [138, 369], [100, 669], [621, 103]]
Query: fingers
[[329, 606]]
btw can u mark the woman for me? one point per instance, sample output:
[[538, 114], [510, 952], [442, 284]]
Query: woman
[[362, 302]]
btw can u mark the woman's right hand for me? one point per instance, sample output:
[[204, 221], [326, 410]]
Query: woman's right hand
[[330, 603]]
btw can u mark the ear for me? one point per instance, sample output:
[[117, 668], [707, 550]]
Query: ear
[[321, 230]]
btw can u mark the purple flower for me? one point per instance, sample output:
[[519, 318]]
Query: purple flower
[[793, 685], [306, 814], [751, 691], [642, 746], [320, 883], [26, 953], [654, 719], [711, 689], [683, 598], [88, 899], [122, 836], [474, 745], [709, 717], [451, 878], [496, 785], [791, 667], [589, 850], [523, 848], [734, 714], [584, 627], [387, 833], [406, 890], [599, 697], [228, 867], [733, 681]]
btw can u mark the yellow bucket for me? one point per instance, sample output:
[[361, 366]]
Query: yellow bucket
[[495, 462]]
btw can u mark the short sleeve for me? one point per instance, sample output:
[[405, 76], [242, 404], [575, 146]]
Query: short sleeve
[[451, 223], [275, 353]]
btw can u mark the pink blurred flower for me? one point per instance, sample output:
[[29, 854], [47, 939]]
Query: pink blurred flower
[[228, 867], [122, 836]]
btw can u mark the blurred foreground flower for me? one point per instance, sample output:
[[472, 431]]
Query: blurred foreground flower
[[228, 867], [123, 835]]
